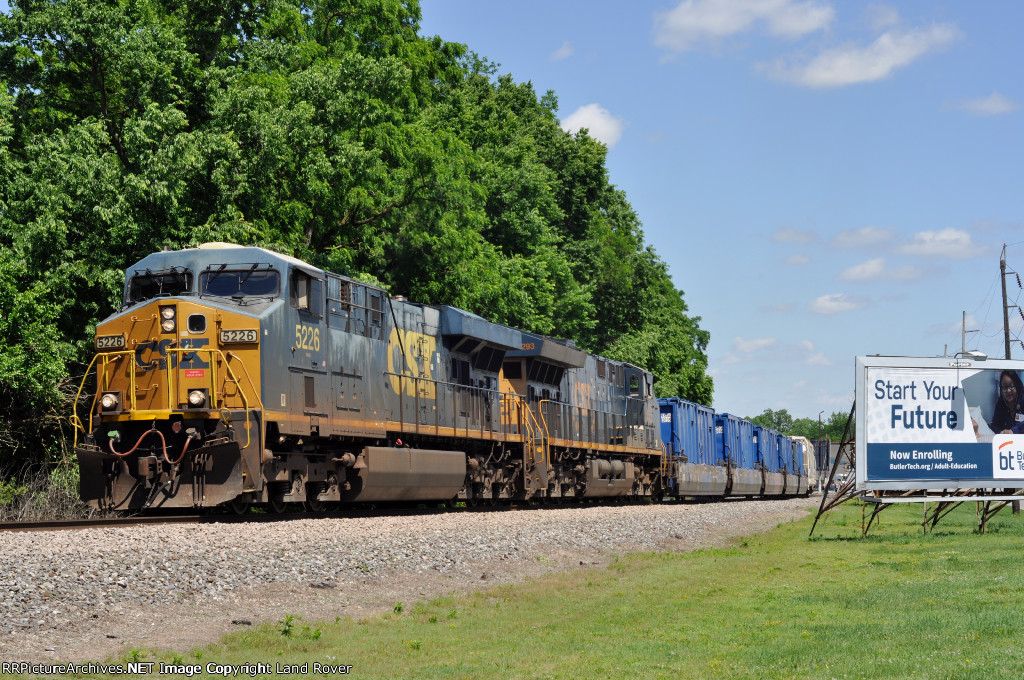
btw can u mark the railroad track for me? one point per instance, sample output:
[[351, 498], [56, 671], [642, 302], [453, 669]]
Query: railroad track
[[105, 522], [343, 513], [225, 518]]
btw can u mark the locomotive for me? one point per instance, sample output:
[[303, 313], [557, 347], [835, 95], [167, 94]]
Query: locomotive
[[235, 375]]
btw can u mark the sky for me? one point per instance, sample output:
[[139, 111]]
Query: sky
[[824, 179]]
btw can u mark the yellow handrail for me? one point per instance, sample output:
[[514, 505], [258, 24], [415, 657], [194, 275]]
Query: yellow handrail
[[544, 420], [212, 352], [75, 420]]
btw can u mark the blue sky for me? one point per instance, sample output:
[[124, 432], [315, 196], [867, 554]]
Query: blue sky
[[824, 179]]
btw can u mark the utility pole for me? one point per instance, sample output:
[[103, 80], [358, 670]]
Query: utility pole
[[1006, 309], [1015, 505]]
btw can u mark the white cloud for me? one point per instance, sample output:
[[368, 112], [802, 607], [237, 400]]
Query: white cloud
[[819, 359], [799, 258], [601, 124], [837, 303], [882, 16], [815, 358], [563, 52], [693, 22], [748, 346], [852, 64], [950, 243], [791, 235], [864, 237], [993, 105], [875, 269]]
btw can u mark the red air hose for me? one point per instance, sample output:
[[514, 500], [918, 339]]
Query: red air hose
[[183, 450], [128, 453]]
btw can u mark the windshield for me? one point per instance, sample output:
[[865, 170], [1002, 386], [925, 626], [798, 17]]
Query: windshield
[[250, 282], [149, 284]]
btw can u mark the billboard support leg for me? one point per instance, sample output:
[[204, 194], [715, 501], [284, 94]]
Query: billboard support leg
[[848, 489]]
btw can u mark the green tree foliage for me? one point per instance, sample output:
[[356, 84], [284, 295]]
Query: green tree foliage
[[329, 130], [830, 428], [780, 420]]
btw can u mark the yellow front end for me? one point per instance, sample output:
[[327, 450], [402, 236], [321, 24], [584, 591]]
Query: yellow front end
[[175, 419]]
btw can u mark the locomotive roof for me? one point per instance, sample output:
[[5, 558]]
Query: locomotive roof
[[197, 258]]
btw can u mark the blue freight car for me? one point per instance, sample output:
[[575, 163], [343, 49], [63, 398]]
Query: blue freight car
[[767, 441], [695, 466], [718, 454], [736, 437]]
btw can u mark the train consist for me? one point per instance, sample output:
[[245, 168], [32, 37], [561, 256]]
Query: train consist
[[234, 376]]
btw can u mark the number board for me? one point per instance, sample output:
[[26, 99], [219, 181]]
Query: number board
[[240, 335], [110, 342]]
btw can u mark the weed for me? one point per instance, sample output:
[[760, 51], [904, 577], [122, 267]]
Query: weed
[[399, 607], [42, 495], [286, 625]]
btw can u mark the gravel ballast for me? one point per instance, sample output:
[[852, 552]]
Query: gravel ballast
[[94, 593]]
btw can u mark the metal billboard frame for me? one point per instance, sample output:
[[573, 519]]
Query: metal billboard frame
[[946, 493]]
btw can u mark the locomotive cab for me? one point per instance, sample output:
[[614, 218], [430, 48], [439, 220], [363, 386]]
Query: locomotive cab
[[176, 417]]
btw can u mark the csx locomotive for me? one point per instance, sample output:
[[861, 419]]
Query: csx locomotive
[[235, 375]]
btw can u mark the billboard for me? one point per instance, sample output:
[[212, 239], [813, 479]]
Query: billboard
[[939, 423]]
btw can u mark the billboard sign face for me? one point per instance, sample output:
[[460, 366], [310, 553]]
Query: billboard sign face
[[939, 423]]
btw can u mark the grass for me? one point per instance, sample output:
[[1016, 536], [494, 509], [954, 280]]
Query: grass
[[897, 604]]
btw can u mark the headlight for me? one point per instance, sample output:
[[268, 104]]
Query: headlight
[[168, 324], [109, 401], [196, 398]]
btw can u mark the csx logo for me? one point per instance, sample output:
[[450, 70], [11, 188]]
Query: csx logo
[[188, 360]]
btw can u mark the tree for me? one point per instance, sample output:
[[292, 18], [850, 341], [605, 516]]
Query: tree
[[327, 130], [831, 428], [804, 427], [780, 420], [835, 426]]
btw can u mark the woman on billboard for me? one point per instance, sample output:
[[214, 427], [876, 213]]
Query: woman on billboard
[[1009, 412]]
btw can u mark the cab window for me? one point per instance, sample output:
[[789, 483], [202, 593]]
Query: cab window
[[147, 285], [307, 293], [252, 281]]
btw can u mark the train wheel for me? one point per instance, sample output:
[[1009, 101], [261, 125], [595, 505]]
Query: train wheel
[[276, 504], [239, 505], [495, 497], [314, 504]]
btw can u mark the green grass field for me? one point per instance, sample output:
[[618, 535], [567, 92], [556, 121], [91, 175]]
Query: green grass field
[[897, 604]]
